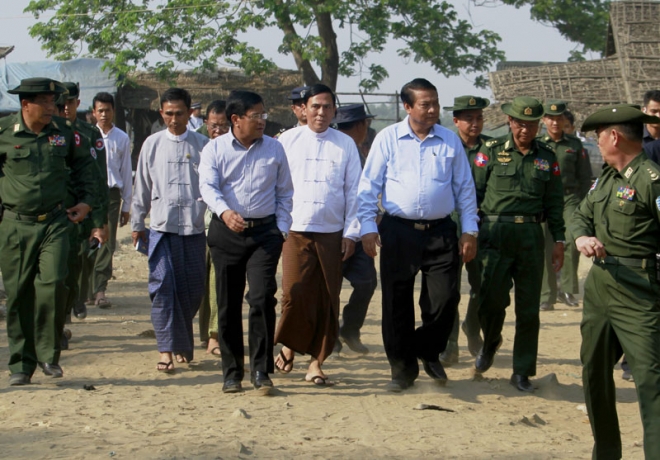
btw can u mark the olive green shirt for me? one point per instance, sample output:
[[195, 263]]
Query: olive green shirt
[[471, 152], [203, 130], [92, 136], [574, 163], [622, 210], [34, 168], [510, 183]]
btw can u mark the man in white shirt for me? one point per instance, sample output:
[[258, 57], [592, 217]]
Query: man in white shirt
[[120, 184], [325, 168]]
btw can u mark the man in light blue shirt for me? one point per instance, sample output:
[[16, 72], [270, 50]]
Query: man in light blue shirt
[[245, 180], [423, 174]]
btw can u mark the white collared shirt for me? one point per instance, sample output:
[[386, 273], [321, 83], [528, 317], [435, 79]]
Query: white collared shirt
[[120, 173]]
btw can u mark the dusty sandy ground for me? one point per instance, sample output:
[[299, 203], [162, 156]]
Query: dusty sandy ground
[[136, 412]]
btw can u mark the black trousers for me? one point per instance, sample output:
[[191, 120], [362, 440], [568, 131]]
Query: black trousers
[[253, 255], [360, 271], [405, 252]]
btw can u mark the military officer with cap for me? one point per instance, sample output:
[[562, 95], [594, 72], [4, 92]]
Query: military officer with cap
[[195, 121], [297, 107], [618, 224], [36, 153], [93, 230], [468, 117], [518, 181], [576, 179]]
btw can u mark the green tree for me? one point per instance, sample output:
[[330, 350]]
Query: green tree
[[202, 33], [581, 21]]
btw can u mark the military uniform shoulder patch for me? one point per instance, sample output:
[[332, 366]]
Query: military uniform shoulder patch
[[100, 145], [556, 170], [76, 137], [593, 186], [481, 160], [92, 152]]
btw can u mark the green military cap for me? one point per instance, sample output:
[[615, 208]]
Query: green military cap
[[73, 89], [524, 108], [468, 103], [61, 99], [616, 114], [554, 107], [37, 85]]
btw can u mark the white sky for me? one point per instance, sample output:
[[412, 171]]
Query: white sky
[[522, 39]]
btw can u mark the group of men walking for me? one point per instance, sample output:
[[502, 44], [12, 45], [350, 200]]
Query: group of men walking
[[428, 199]]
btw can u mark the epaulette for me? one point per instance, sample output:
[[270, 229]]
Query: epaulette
[[545, 146], [654, 174], [492, 142], [69, 124]]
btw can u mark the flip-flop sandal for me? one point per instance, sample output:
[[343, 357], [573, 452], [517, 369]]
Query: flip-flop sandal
[[319, 381], [167, 368], [287, 362], [215, 351], [103, 303]]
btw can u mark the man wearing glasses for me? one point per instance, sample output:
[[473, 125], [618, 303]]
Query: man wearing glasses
[[216, 120], [245, 181], [518, 183]]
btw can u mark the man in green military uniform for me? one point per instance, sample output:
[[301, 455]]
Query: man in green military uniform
[[36, 153], [468, 117], [81, 259], [576, 178], [618, 224], [518, 182]]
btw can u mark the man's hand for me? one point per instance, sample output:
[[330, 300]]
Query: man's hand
[[590, 246], [369, 242], [124, 217], [467, 247], [100, 234], [558, 256], [347, 248], [233, 220], [142, 235], [78, 212]]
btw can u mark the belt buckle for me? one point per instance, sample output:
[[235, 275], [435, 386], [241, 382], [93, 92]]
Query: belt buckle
[[249, 223], [518, 219], [418, 226], [42, 217]]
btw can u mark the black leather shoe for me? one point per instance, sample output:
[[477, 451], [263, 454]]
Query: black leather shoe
[[80, 310], [485, 358], [19, 379], [435, 370], [54, 370], [475, 342], [546, 306], [261, 382], [232, 386], [355, 344], [522, 383], [397, 386], [567, 299], [450, 355]]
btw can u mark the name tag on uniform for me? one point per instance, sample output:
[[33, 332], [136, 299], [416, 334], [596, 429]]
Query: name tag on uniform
[[57, 140]]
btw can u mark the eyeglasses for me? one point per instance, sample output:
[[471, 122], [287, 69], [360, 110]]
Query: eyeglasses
[[528, 126], [257, 116], [214, 127]]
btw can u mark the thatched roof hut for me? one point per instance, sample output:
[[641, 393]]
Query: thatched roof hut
[[630, 68]]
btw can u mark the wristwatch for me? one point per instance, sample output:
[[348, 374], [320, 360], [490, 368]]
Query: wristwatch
[[562, 242]]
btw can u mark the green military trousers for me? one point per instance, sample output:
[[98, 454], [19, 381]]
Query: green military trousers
[[87, 260], [569, 272], [75, 261], [621, 314], [511, 253], [33, 259]]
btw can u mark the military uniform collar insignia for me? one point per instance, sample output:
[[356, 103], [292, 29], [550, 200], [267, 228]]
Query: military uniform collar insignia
[[17, 127], [628, 172]]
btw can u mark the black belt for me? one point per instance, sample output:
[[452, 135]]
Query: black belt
[[251, 223], [626, 261], [29, 218], [421, 224], [511, 219]]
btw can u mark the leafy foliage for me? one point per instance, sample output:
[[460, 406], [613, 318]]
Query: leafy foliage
[[158, 34]]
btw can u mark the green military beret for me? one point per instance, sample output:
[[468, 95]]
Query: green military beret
[[73, 89], [616, 114], [524, 108], [554, 107], [468, 103], [38, 85]]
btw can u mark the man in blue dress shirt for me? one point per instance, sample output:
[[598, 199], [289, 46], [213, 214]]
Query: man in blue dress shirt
[[423, 174]]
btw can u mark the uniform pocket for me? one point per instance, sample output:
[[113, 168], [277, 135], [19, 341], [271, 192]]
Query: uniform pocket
[[622, 219], [538, 183], [506, 178], [20, 162]]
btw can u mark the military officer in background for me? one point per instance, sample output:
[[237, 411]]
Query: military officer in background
[[576, 179], [518, 182], [36, 153], [618, 224], [468, 117], [297, 107]]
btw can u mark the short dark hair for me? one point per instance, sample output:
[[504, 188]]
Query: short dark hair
[[216, 106], [570, 117], [634, 132], [317, 89], [407, 94], [350, 124], [104, 97], [239, 102], [176, 94], [651, 95]]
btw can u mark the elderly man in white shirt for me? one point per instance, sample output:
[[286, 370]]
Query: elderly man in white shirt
[[325, 168], [120, 185]]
